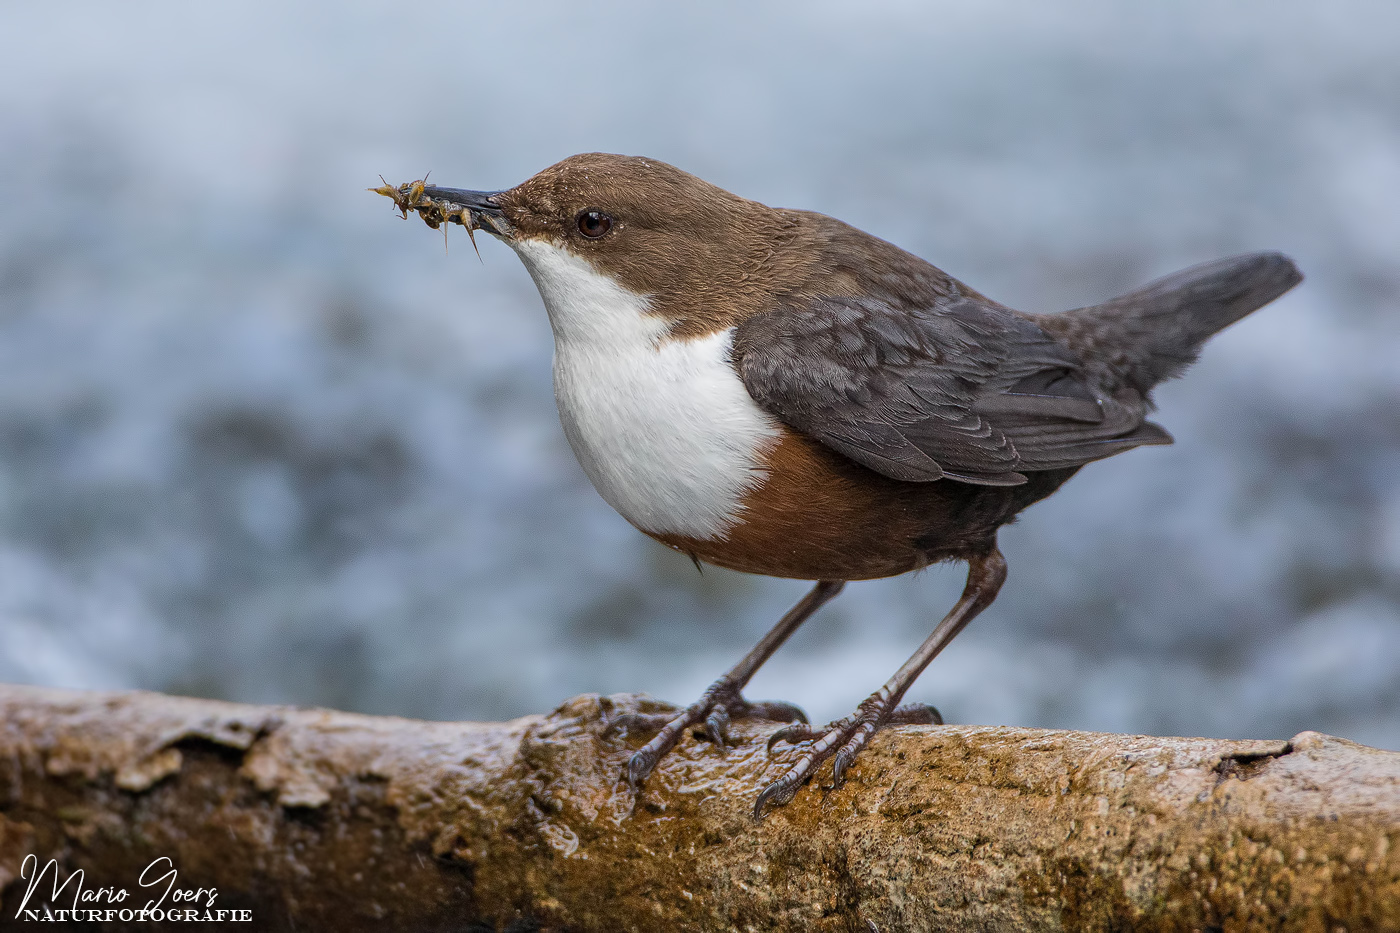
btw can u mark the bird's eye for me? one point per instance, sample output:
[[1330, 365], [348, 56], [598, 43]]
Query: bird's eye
[[594, 224]]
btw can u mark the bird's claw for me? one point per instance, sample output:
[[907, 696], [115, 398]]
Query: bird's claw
[[915, 714], [717, 726], [796, 732], [640, 766], [842, 739], [715, 709]]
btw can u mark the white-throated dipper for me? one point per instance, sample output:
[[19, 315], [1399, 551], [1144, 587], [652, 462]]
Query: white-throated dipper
[[777, 392]]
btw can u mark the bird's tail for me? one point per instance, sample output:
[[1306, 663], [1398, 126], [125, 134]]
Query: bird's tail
[[1154, 333]]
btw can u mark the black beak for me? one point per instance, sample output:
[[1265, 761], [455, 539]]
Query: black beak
[[475, 210], [482, 207]]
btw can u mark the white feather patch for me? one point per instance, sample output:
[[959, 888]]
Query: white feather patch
[[664, 428]]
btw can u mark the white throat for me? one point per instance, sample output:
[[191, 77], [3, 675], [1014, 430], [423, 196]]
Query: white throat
[[664, 428]]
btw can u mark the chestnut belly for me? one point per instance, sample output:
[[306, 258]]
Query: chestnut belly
[[820, 516]]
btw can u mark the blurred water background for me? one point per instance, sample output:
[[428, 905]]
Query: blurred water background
[[261, 440]]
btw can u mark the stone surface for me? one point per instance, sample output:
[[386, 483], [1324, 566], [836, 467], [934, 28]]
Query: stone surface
[[316, 820]]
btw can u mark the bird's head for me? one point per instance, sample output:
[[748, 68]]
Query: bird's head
[[698, 255]]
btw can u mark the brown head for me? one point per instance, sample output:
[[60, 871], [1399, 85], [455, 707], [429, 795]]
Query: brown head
[[700, 254], [704, 258]]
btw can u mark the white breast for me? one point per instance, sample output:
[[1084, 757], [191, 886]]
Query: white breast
[[664, 428]]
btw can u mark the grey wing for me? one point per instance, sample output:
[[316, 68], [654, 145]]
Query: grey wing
[[964, 390]]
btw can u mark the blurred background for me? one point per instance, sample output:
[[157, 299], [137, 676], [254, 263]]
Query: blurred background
[[262, 440]]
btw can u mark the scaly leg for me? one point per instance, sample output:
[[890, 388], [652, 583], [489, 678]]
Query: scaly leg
[[722, 701], [846, 737]]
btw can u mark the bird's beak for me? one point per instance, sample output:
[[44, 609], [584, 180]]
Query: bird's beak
[[483, 207], [475, 210]]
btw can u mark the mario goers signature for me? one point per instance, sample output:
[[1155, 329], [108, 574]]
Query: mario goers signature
[[169, 902]]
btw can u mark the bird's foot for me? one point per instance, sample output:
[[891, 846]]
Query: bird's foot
[[717, 706], [843, 739]]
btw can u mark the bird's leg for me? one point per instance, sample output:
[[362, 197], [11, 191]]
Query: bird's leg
[[723, 701], [846, 737]]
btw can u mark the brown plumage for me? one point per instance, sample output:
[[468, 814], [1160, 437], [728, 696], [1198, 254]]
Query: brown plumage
[[821, 516], [777, 392]]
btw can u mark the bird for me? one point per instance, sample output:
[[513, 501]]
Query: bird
[[777, 392]]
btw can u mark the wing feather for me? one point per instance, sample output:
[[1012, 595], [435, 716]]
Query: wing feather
[[964, 389]]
